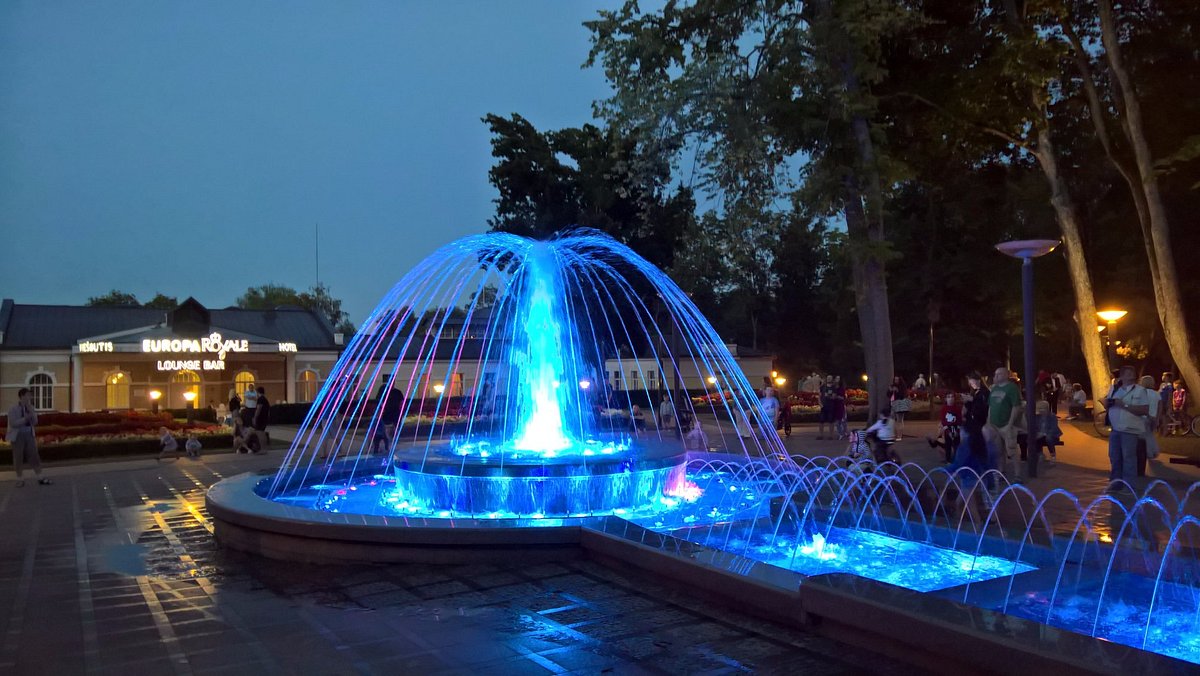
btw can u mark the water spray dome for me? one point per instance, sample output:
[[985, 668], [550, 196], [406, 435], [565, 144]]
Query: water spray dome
[[510, 384]]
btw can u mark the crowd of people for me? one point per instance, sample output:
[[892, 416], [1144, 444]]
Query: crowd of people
[[985, 428]]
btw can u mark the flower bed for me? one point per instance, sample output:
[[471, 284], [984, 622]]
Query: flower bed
[[73, 436]]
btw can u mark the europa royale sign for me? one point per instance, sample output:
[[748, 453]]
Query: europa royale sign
[[196, 354]]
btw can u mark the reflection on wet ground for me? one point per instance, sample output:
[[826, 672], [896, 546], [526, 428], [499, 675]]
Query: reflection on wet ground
[[117, 572]]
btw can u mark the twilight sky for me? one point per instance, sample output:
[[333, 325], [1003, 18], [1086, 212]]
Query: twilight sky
[[191, 147]]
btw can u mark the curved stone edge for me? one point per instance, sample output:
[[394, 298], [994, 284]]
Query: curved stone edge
[[244, 521]]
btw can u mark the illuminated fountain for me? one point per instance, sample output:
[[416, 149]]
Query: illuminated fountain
[[481, 387]]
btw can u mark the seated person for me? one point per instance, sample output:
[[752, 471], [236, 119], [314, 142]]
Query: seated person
[[1077, 407]]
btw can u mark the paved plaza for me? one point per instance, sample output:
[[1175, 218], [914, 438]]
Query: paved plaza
[[113, 569]]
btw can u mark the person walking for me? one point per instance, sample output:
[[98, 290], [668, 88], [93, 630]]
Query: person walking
[[899, 403], [973, 449], [22, 434], [1004, 409], [1166, 390], [1126, 403], [1048, 386], [839, 408], [770, 408], [950, 432], [262, 413], [249, 404], [825, 412]]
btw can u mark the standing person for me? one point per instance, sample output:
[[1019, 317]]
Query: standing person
[[1004, 409], [1051, 393], [1126, 403], [919, 384], [666, 413], [770, 407], [22, 421], [825, 412], [973, 449], [1147, 446], [235, 407], [262, 411], [1166, 390], [249, 403], [899, 403], [839, 408], [950, 432], [785, 417]]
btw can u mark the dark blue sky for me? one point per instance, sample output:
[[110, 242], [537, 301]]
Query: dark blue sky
[[190, 147]]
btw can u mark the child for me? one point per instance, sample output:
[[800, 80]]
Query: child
[[951, 419], [167, 443], [694, 439], [883, 434], [192, 447], [1048, 433], [858, 454]]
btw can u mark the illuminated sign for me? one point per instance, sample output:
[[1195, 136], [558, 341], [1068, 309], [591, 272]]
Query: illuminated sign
[[191, 365], [287, 347], [212, 343], [96, 346]]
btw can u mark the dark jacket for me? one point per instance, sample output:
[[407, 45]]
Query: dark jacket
[[262, 413], [975, 412]]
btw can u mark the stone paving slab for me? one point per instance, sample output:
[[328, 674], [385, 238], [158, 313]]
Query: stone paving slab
[[113, 570]]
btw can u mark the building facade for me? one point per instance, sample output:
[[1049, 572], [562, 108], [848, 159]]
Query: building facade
[[83, 358]]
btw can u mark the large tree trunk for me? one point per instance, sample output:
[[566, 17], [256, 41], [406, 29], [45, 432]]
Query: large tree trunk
[[870, 297], [1081, 279], [863, 205], [1170, 302]]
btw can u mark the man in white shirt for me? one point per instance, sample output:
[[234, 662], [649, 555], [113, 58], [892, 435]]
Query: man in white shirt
[[1127, 402], [770, 407], [22, 418]]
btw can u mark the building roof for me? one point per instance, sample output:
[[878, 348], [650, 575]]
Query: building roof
[[60, 327]]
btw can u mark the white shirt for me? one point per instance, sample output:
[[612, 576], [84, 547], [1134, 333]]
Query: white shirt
[[1122, 419], [1080, 398], [770, 408], [20, 417], [885, 429]]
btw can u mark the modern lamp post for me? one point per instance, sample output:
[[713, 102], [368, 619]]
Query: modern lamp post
[[1027, 250]]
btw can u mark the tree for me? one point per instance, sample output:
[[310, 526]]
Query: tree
[[114, 298], [268, 297], [161, 302], [1158, 242], [763, 97], [585, 177], [319, 300]]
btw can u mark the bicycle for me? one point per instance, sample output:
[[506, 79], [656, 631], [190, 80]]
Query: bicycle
[[1181, 424]]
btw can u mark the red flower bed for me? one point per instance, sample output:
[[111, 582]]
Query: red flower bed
[[53, 427]]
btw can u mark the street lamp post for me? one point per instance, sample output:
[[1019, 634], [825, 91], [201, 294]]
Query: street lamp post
[[1027, 250], [190, 397], [1111, 317]]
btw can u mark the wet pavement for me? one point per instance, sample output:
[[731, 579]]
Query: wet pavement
[[113, 569]]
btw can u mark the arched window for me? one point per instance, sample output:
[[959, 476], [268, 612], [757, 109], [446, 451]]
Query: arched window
[[181, 382], [42, 386], [116, 390], [243, 382], [306, 386]]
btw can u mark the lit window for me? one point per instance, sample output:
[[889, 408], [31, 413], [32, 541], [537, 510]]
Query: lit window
[[243, 382], [42, 386], [116, 391], [306, 386]]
